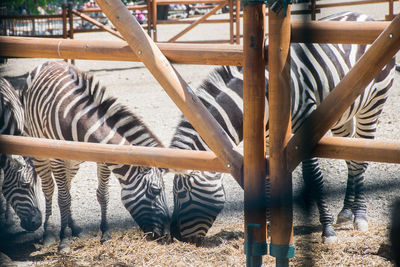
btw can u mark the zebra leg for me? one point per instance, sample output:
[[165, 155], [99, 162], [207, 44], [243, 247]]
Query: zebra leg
[[103, 176], [314, 183], [365, 128], [43, 170], [72, 169], [63, 174], [8, 215], [346, 215], [359, 207]]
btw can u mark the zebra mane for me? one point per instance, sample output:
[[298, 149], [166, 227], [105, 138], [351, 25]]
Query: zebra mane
[[97, 94], [217, 85], [219, 75], [10, 102]]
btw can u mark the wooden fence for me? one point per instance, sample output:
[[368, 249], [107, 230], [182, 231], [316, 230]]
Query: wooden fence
[[72, 21], [250, 168]]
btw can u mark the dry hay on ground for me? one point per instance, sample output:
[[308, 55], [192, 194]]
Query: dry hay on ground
[[223, 247]]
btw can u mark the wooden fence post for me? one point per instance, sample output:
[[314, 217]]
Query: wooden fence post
[[71, 25], [237, 21], [149, 17], [64, 22], [154, 19], [231, 20], [71, 22], [313, 10], [33, 33], [281, 204], [390, 16], [254, 132]]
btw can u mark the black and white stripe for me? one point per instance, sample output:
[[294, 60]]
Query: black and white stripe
[[18, 178], [64, 103], [315, 70]]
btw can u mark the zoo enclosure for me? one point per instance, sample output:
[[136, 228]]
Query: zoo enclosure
[[286, 151]]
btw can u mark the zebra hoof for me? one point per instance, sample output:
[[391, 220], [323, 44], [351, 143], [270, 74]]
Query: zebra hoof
[[6, 261], [49, 239], [64, 246], [76, 231], [361, 224], [344, 217], [105, 237], [329, 239], [328, 235]]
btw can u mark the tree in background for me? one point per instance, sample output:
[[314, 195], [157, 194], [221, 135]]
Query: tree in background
[[33, 6]]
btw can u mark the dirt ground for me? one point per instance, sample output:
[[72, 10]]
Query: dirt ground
[[135, 87]]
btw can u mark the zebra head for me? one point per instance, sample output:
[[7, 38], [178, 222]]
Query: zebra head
[[143, 195], [198, 198], [20, 189]]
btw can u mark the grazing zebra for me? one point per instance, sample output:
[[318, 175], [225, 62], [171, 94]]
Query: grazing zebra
[[315, 70], [64, 103], [19, 180]]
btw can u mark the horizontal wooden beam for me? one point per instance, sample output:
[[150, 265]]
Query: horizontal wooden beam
[[358, 149], [97, 9], [352, 3], [187, 2], [30, 17], [184, 53], [328, 147], [130, 155], [339, 32], [205, 54], [190, 21]]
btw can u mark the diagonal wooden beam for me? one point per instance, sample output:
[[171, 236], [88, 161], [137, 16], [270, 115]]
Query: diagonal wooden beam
[[349, 88], [96, 23], [177, 89], [197, 22]]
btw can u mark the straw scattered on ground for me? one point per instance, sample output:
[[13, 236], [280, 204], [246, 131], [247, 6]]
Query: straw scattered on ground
[[223, 247]]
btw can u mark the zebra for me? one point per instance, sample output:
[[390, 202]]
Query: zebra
[[62, 102], [315, 70], [18, 178]]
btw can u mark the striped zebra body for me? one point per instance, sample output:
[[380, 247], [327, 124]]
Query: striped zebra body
[[64, 103], [19, 180], [315, 70]]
